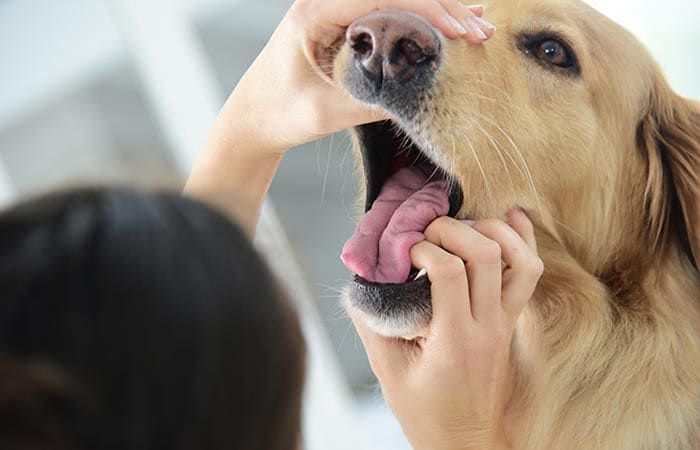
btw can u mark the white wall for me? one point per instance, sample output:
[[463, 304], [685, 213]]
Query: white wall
[[48, 48], [670, 29]]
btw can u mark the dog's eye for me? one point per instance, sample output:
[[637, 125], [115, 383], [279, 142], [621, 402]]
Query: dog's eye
[[554, 52], [550, 51]]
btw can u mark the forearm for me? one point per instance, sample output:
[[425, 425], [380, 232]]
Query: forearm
[[233, 172]]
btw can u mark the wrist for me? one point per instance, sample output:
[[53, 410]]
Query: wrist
[[234, 170], [239, 127]]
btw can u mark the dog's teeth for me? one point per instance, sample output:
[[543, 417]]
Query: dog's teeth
[[422, 273]]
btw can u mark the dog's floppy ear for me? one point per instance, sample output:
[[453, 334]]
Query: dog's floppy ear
[[669, 137]]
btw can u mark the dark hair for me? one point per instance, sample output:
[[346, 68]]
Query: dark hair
[[141, 321]]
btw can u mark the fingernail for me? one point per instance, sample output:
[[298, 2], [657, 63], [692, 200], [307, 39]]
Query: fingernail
[[476, 28], [469, 222], [512, 211], [476, 9], [485, 25], [456, 25]]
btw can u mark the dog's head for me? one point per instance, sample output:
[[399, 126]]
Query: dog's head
[[562, 113]]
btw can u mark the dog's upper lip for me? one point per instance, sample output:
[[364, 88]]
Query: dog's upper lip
[[374, 139]]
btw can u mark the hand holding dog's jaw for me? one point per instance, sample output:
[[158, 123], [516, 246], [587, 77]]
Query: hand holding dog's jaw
[[461, 358]]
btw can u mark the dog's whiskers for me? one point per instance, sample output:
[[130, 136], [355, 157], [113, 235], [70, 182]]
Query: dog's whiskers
[[530, 179], [332, 149], [507, 94], [435, 171], [577, 233], [527, 174], [498, 150], [471, 96], [501, 146], [348, 151], [478, 163], [317, 150], [347, 331], [325, 174]]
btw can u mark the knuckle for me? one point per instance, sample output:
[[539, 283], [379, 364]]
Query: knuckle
[[536, 267], [522, 224], [496, 340], [449, 269], [438, 224], [436, 228], [526, 225], [489, 252], [444, 221], [492, 224]]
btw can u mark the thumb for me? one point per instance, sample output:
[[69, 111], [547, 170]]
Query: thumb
[[355, 112]]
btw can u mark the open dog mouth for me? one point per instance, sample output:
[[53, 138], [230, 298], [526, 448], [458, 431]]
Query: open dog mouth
[[406, 191]]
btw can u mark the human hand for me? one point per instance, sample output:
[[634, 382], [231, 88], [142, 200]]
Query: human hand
[[287, 95], [450, 389], [286, 98]]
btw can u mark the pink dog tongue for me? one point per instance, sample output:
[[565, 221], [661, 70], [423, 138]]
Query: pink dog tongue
[[407, 204]]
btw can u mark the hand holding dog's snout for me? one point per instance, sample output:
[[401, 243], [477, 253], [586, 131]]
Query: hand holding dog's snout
[[288, 94], [452, 386], [286, 98]]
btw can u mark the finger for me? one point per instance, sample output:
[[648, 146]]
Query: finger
[[388, 357], [524, 267], [477, 29], [449, 289], [483, 262], [487, 27], [346, 13], [522, 225], [477, 10], [515, 252], [361, 113], [346, 111]]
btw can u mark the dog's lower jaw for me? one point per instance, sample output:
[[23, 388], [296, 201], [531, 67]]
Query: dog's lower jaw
[[388, 327]]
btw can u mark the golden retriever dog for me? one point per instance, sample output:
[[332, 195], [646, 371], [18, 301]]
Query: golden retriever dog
[[564, 114]]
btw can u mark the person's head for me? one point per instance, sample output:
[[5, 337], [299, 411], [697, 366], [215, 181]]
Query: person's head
[[141, 321]]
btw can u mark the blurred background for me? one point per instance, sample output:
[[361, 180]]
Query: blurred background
[[123, 91]]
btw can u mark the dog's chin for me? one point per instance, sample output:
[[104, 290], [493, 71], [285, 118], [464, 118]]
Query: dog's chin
[[391, 310]]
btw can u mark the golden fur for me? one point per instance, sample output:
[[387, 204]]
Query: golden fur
[[607, 355]]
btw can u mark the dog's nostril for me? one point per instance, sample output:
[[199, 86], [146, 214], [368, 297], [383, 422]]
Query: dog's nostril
[[362, 44], [413, 53], [392, 46]]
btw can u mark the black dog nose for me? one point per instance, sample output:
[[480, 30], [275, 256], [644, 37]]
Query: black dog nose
[[392, 44]]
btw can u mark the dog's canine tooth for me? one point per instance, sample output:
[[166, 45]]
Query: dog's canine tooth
[[422, 273]]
